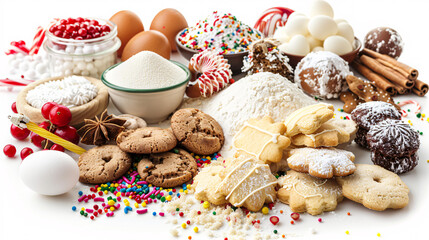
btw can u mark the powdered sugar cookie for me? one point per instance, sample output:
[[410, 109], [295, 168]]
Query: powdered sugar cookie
[[248, 183], [262, 139], [322, 162], [308, 119], [375, 187], [305, 193], [330, 134]]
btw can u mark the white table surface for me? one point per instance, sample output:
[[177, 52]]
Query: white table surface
[[27, 215]]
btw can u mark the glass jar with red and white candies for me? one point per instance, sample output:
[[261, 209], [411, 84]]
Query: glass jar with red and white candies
[[81, 46]]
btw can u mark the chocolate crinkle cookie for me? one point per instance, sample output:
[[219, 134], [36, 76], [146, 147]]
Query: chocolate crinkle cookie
[[394, 145], [367, 114], [361, 138]]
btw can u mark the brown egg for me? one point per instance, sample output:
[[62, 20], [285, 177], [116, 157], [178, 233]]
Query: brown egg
[[147, 41], [169, 22], [129, 24]]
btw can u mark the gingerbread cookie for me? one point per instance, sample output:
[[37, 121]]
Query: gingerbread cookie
[[167, 169], [248, 183], [350, 101], [367, 114], [375, 187], [196, 131], [262, 138], [368, 92], [322, 162], [147, 140], [305, 193], [330, 134], [308, 119], [205, 184], [103, 164]]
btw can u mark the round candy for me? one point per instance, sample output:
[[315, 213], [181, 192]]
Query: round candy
[[320, 7], [297, 25], [346, 31], [322, 27], [314, 42], [337, 44], [281, 35], [298, 45], [49, 172], [384, 40]]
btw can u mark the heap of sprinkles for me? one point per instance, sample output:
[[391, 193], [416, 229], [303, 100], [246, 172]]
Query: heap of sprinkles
[[223, 33]]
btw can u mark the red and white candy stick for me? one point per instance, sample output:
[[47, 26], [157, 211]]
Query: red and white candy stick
[[14, 83], [403, 103], [271, 19], [38, 40]]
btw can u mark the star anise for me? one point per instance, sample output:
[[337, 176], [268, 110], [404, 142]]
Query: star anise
[[100, 130]]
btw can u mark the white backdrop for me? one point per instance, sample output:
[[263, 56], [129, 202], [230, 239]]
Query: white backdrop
[[25, 215]]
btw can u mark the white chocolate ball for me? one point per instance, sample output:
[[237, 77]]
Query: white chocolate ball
[[295, 14], [297, 26], [346, 31], [321, 27], [298, 45], [314, 42], [338, 45], [340, 20], [280, 34], [320, 7], [317, 49]]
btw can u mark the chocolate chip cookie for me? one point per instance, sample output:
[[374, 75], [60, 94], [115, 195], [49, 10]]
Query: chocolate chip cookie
[[196, 131], [146, 140], [103, 164], [167, 169]]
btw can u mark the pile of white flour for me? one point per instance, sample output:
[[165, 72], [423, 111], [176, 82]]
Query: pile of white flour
[[146, 70], [251, 97]]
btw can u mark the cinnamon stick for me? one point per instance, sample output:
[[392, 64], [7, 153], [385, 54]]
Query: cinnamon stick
[[401, 90], [378, 80], [420, 88], [387, 72], [406, 71]]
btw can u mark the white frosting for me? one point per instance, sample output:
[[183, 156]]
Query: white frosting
[[71, 92]]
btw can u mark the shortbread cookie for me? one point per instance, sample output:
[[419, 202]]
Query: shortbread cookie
[[305, 193], [330, 134], [322, 162], [262, 138], [248, 183], [205, 184], [196, 131], [308, 119], [370, 113], [147, 140], [167, 169], [103, 164], [375, 187]]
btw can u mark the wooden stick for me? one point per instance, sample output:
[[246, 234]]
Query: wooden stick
[[378, 80], [410, 73], [388, 73]]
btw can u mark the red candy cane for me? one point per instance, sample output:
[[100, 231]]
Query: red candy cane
[[37, 40], [403, 103], [271, 19], [14, 83]]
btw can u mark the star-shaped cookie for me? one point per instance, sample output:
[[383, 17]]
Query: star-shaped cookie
[[322, 162], [206, 183], [305, 193], [262, 139]]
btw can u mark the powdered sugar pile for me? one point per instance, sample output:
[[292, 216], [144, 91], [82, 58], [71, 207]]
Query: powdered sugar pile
[[251, 97], [146, 70]]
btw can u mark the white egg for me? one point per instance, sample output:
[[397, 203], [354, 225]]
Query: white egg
[[49, 172], [317, 49], [321, 27], [338, 45], [346, 31], [314, 42], [320, 7], [280, 34], [298, 45], [296, 26]]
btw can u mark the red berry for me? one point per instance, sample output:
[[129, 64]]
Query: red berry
[[9, 150], [71, 20], [58, 33], [105, 28], [14, 107], [52, 29], [294, 216], [46, 108], [70, 28], [61, 27], [82, 32], [68, 133], [25, 152], [60, 115], [57, 148], [19, 133], [63, 21], [94, 22], [79, 19]]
